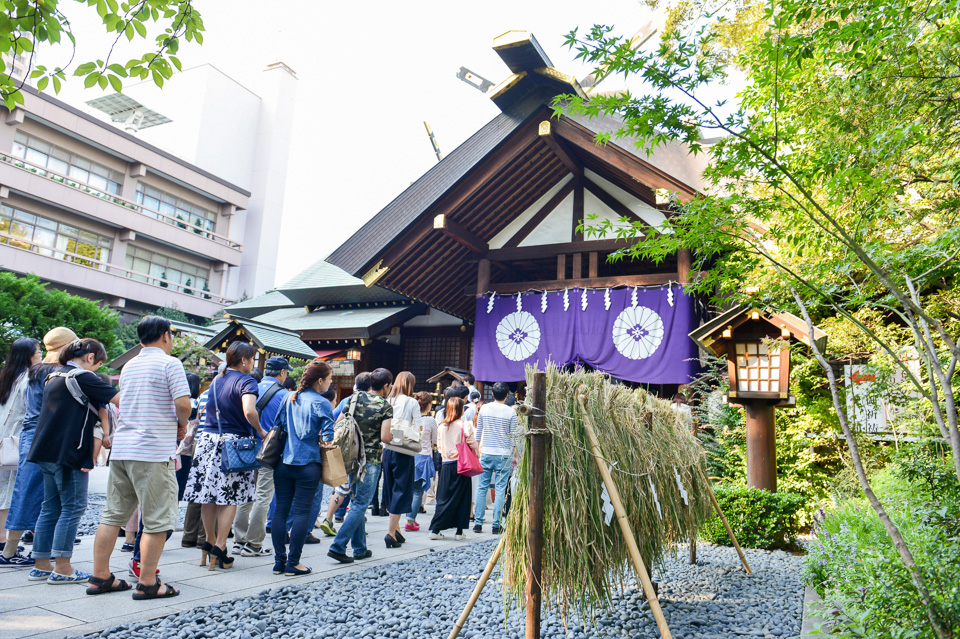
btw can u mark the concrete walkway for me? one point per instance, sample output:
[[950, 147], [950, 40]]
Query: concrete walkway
[[36, 609]]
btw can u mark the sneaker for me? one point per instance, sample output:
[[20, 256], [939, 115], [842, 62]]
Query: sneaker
[[126, 548], [27, 537], [77, 577], [39, 575], [311, 539], [134, 569], [460, 537], [328, 528], [339, 520], [497, 530], [17, 560], [437, 535], [478, 528], [367, 554], [252, 551], [412, 526]]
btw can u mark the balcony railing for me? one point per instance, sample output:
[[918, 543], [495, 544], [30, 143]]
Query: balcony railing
[[23, 165], [67, 256]]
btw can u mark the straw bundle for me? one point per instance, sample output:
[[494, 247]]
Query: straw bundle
[[584, 559]]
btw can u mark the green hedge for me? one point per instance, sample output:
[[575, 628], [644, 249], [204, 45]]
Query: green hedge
[[759, 519]]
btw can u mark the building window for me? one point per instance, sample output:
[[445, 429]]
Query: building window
[[59, 160], [176, 210], [166, 271], [53, 239]]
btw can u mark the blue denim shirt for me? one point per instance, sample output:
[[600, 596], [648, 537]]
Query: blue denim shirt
[[308, 420]]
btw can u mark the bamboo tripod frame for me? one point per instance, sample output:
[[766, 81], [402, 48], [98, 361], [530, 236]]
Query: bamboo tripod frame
[[534, 606]]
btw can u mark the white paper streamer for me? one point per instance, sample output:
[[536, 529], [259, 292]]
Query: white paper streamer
[[566, 299], [656, 498], [583, 299], [490, 303], [543, 302], [670, 296], [519, 303], [608, 509], [606, 299], [633, 298], [683, 491]]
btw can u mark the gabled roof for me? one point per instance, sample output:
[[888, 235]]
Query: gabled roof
[[268, 338], [259, 305], [340, 323], [323, 283]]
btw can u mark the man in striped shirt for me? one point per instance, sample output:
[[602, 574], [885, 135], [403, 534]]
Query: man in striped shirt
[[495, 425], [154, 410]]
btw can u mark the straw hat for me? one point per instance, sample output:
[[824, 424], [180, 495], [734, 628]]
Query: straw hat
[[54, 341]]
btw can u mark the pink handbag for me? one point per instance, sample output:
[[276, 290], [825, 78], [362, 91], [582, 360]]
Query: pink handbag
[[467, 462]]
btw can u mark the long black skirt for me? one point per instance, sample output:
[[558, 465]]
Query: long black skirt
[[454, 497], [397, 470]]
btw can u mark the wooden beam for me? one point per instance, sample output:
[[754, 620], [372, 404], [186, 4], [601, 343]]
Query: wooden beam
[[684, 261], [577, 265], [540, 216], [546, 134], [483, 276], [622, 161], [562, 266], [550, 250], [618, 207], [460, 234], [578, 224], [652, 279], [594, 266]]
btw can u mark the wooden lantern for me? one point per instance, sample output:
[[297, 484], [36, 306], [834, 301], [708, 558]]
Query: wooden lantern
[[757, 346]]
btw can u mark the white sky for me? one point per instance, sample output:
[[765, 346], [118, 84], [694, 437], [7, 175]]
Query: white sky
[[369, 75]]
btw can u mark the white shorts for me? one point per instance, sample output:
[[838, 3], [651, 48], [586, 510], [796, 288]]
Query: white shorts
[[98, 433]]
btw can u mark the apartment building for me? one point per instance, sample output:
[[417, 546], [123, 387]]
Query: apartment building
[[97, 209]]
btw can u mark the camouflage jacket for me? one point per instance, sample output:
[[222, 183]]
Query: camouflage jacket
[[370, 412]]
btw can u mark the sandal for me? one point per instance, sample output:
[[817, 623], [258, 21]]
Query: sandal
[[103, 586], [152, 592]]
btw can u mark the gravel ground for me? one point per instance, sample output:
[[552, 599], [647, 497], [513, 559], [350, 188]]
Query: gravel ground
[[422, 598]]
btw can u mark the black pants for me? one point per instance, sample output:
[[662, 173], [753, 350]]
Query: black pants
[[296, 487]]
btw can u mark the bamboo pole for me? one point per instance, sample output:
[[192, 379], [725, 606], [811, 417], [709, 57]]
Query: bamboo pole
[[538, 453], [723, 518], [478, 589], [625, 526]]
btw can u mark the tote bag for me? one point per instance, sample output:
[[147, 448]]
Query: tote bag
[[467, 463]]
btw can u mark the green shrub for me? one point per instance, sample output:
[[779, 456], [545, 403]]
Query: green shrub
[[854, 566], [759, 519]]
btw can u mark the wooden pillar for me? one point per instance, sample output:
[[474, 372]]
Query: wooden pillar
[[538, 455], [761, 445], [684, 262], [561, 267], [594, 266], [578, 219], [577, 266], [483, 276]]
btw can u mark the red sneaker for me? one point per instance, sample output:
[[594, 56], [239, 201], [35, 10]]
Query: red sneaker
[[134, 569], [412, 526]]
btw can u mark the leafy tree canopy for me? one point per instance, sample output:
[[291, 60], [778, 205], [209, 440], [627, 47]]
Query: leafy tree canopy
[[30, 309], [28, 27]]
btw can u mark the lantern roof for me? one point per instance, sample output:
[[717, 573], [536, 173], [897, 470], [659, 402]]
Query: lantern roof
[[740, 322]]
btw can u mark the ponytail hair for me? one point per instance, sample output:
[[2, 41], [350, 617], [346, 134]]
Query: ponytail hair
[[236, 353], [314, 372], [82, 347]]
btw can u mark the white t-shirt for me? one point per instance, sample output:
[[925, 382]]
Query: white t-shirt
[[147, 429]]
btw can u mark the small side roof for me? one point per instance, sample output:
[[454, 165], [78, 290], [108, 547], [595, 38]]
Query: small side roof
[[259, 305], [340, 323], [270, 339]]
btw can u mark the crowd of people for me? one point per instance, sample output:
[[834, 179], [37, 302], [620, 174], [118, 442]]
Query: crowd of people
[[165, 442]]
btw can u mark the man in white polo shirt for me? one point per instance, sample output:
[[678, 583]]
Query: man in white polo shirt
[[154, 409]]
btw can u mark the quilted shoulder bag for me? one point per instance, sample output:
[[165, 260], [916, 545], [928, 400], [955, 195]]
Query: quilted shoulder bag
[[238, 455]]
